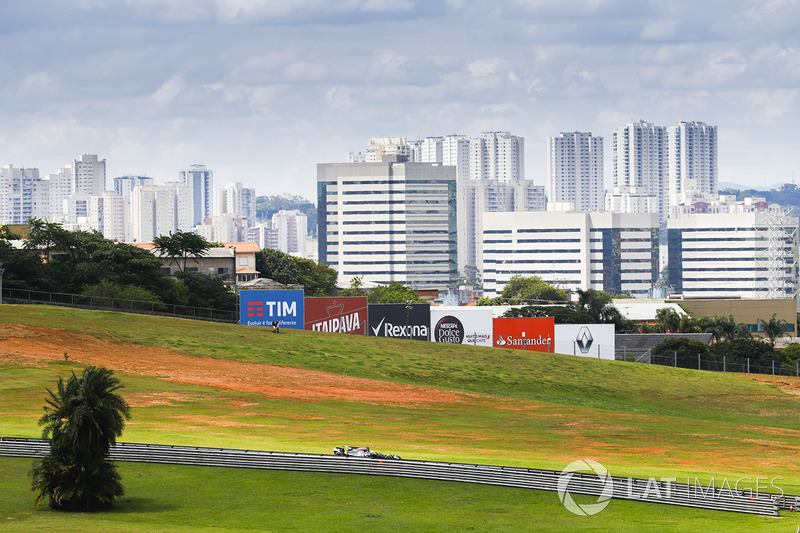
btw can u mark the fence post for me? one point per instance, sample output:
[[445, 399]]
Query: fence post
[[748, 365], [797, 368], [675, 353], [698, 360], [724, 365], [773, 367]]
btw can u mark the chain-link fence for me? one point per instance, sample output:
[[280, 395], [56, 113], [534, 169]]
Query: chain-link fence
[[746, 365], [21, 296]]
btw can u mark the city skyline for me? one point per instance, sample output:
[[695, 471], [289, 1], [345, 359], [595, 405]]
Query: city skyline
[[261, 91]]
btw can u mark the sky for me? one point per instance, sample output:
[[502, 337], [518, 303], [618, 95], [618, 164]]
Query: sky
[[261, 91]]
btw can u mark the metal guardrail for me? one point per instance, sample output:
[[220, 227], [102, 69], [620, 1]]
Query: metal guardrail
[[652, 491]]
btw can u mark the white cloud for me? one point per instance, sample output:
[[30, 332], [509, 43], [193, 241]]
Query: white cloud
[[775, 103], [169, 90]]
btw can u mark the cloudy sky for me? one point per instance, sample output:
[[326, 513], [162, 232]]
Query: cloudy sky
[[262, 90]]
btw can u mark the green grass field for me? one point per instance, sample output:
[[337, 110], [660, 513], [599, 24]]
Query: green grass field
[[533, 409]]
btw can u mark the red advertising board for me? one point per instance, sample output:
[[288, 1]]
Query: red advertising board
[[337, 315], [524, 333]]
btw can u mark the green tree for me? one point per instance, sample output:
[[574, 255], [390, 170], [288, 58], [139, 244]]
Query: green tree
[[82, 419], [207, 291], [773, 328], [531, 289], [316, 278], [668, 319], [739, 350], [355, 287], [393, 293], [181, 246], [561, 315], [683, 349]]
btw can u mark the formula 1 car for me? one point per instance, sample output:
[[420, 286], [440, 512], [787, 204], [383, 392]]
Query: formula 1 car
[[361, 451]]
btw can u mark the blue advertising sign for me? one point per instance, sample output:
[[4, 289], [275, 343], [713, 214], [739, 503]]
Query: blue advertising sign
[[262, 308]]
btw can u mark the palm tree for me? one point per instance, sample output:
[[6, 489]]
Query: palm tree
[[668, 319], [83, 418], [773, 328]]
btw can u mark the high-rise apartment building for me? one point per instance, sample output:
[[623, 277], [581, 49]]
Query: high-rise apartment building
[[200, 181], [60, 187], [124, 185], [640, 162], [22, 195], [292, 228], [160, 209], [108, 214], [380, 147], [389, 221], [236, 201], [497, 155], [692, 159], [575, 170], [89, 175]]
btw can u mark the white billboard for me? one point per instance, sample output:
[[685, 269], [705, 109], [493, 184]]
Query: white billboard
[[587, 340], [461, 325]]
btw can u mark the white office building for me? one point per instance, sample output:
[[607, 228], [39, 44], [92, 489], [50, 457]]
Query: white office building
[[389, 221], [160, 209], [200, 182], [733, 255], [613, 252], [575, 170], [692, 159]]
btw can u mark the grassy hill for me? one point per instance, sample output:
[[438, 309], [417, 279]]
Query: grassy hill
[[460, 403]]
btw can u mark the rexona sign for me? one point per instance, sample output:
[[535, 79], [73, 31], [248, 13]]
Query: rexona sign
[[461, 325], [337, 315], [400, 321], [524, 333], [262, 308]]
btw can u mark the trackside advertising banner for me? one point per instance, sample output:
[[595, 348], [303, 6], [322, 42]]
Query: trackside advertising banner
[[337, 315], [400, 321], [524, 333], [461, 325], [588, 340], [262, 308]]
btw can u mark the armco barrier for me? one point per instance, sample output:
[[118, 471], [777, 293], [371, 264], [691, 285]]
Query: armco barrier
[[651, 491]]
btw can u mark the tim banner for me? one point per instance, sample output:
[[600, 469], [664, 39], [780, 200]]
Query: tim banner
[[402, 321], [262, 308], [337, 315], [524, 333], [461, 325], [587, 340]]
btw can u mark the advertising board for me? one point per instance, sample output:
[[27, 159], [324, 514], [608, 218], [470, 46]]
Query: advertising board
[[587, 340], [461, 325], [400, 321], [262, 308], [337, 315], [524, 333]]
